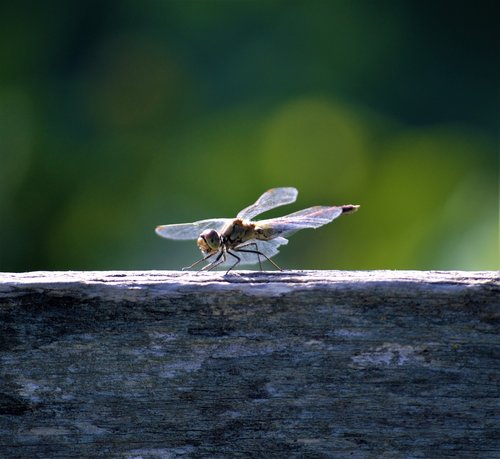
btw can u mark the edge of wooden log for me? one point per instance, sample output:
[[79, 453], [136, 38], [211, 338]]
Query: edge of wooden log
[[150, 285]]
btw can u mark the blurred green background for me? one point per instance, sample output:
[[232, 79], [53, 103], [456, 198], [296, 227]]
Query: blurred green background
[[117, 116]]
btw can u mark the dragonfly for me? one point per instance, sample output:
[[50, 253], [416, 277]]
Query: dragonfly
[[238, 240]]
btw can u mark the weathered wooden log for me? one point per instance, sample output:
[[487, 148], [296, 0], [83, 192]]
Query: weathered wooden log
[[327, 364]]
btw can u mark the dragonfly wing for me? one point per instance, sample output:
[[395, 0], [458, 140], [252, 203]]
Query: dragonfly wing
[[190, 230], [275, 197], [268, 248], [312, 217]]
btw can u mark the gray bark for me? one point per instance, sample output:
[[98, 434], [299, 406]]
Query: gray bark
[[299, 364]]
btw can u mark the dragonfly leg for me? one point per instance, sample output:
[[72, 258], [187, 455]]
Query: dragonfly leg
[[254, 251], [238, 259], [221, 258], [199, 261], [258, 253]]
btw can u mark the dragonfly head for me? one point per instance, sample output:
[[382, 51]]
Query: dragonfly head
[[209, 241]]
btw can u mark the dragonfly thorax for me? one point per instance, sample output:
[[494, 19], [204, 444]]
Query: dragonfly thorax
[[209, 241]]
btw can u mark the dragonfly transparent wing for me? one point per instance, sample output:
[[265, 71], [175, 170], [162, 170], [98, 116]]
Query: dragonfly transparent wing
[[268, 248], [190, 230], [312, 217], [275, 197]]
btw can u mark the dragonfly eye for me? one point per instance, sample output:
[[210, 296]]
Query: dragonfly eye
[[209, 241]]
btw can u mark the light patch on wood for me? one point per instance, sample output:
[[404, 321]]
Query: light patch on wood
[[388, 355], [49, 431]]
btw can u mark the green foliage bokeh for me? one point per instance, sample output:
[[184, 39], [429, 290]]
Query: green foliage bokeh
[[119, 116]]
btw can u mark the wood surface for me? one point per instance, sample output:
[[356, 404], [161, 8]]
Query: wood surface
[[294, 364]]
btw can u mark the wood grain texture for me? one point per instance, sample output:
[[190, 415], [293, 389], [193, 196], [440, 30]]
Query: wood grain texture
[[299, 364]]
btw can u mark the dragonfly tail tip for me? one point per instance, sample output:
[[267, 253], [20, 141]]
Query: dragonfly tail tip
[[350, 208]]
